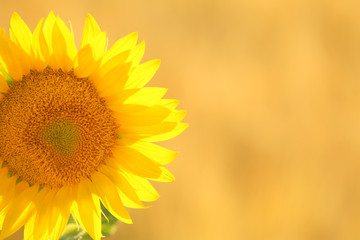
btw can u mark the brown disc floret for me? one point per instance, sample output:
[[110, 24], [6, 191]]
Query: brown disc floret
[[54, 128]]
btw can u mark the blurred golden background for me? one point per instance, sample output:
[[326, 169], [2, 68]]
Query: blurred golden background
[[272, 90]]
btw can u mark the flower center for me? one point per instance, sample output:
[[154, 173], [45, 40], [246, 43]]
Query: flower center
[[62, 136], [55, 128]]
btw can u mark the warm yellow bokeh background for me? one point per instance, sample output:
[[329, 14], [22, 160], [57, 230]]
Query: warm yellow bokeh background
[[272, 90]]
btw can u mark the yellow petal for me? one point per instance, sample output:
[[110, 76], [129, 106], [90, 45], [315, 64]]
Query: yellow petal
[[124, 189], [136, 54], [142, 74], [20, 33], [62, 54], [155, 152], [91, 30], [176, 116], [6, 79], [134, 162], [29, 228], [165, 176], [93, 37], [110, 197], [85, 64], [113, 63], [113, 81], [19, 211], [112, 76], [98, 45], [169, 103], [7, 190], [17, 61], [61, 43], [3, 86], [179, 128], [154, 133], [48, 30], [2, 216], [60, 212], [122, 45], [87, 210], [149, 116], [145, 96], [43, 205], [69, 38], [40, 50], [145, 191]]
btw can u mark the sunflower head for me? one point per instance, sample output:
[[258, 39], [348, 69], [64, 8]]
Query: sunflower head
[[78, 128]]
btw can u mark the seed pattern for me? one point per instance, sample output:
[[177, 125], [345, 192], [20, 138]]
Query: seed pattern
[[55, 128]]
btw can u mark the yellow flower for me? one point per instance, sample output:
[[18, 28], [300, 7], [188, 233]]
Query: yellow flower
[[77, 127]]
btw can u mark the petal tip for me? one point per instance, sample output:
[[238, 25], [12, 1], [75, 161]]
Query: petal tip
[[157, 63], [14, 16]]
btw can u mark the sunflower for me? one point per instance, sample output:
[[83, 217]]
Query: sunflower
[[77, 128]]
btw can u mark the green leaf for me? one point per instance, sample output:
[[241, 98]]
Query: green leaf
[[8, 78], [108, 222], [73, 231]]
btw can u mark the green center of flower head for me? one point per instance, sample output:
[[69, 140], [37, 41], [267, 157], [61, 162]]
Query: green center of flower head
[[55, 128], [62, 136]]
